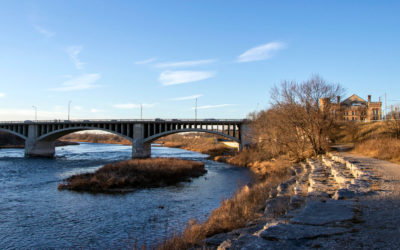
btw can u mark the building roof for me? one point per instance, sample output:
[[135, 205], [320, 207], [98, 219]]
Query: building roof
[[354, 99]]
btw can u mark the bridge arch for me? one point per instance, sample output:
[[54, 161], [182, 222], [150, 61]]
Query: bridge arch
[[54, 135], [166, 133], [14, 133]]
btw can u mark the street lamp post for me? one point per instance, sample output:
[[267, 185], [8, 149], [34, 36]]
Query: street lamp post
[[195, 111], [141, 111], [34, 107], [69, 108]]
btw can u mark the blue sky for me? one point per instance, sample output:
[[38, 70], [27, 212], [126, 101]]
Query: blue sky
[[108, 57]]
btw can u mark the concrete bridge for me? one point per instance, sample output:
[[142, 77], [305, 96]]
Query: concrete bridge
[[40, 136]]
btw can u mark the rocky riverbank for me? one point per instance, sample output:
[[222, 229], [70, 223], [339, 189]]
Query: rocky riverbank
[[328, 202]]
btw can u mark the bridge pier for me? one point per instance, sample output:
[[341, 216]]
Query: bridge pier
[[245, 136], [140, 149], [34, 147]]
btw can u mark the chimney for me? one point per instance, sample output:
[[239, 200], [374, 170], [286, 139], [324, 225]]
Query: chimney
[[369, 98], [338, 99]]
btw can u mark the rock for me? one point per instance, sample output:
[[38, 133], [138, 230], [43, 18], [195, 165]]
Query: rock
[[322, 213], [253, 242], [343, 194], [217, 239], [296, 201], [298, 232], [225, 245], [276, 206]]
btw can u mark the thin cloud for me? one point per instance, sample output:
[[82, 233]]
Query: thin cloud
[[44, 31], [179, 77], [146, 61], [134, 105], [186, 98], [78, 108], [82, 82], [73, 52], [183, 64], [261, 52], [2, 95], [214, 106]]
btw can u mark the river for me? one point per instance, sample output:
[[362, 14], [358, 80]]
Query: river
[[34, 214]]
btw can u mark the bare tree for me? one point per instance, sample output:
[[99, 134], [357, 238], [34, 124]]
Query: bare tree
[[306, 113]]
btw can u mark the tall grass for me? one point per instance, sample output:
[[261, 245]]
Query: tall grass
[[136, 173]]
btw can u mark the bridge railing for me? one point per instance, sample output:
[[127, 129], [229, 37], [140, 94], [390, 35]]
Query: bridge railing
[[123, 120]]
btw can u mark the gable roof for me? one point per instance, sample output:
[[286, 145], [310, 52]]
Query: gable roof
[[353, 99]]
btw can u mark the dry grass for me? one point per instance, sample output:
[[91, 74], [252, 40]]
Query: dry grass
[[353, 132], [246, 205], [136, 173], [381, 148]]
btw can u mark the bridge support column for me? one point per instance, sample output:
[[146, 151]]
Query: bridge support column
[[140, 149], [245, 136], [33, 147]]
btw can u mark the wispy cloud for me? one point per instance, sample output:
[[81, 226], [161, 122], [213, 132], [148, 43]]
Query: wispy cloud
[[183, 64], [213, 106], [43, 31], [186, 98], [85, 81], [2, 95], [179, 77], [73, 52], [146, 61], [134, 105], [78, 108], [261, 52]]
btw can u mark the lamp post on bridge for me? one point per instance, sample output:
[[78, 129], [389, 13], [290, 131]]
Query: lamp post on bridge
[[35, 108], [141, 111], [195, 111], [69, 108]]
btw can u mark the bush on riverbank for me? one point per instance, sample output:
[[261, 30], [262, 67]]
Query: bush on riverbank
[[246, 205], [136, 173]]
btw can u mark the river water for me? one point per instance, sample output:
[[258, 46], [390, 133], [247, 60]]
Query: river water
[[34, 214]]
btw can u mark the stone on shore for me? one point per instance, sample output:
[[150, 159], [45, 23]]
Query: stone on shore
[[321, 213], [298, 232]]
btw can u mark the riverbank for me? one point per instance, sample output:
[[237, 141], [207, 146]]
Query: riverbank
[[199, 142], [91, 137], [136, 173]]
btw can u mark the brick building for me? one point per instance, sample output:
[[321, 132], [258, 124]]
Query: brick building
[[354, 108]]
